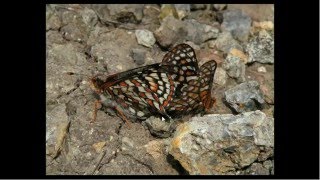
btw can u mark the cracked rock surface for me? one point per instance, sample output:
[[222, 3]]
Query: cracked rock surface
[[234, 137]]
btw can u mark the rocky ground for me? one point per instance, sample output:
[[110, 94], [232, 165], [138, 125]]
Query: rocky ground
[[236, 138]]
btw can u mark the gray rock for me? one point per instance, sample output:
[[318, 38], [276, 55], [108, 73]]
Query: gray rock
[[57, 123], [160, 128], [257, 169], [124, 165], [119, 13], [89, 17], [220, 144], [112, 50], [78, 24], [199, 33], [245, 97], [238, 23], [235, 67], [220, 76], [261, 48], [268, 164], [170, 32], [145, 37], [139, 56], [53, 21], [125, 13], [183, 10], [173, 31], [258, 12], [225, 42]]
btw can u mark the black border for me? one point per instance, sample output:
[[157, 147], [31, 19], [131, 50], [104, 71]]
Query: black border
[[296, 107]]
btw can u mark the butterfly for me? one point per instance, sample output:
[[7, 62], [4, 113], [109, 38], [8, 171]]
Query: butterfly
[[170, 89]]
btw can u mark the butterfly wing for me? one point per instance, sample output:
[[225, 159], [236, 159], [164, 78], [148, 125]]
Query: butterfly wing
[[142, 90], [207, 71]]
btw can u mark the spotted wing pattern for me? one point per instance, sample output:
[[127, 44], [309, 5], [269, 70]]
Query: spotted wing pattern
[[207, 71], [172, 88], [142, 91]]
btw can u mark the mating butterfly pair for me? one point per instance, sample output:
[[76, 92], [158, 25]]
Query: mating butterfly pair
[[170, 89]]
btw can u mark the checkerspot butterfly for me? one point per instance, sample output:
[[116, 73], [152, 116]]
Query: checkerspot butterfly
[[172, 88]]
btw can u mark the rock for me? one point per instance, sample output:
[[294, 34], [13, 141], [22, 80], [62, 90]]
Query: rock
[[98, 146], [220, 76], [54, 37], [245, 97], [238, 23], [168, 10], [183, 10], [173, 31], [257, 169], [219, 7], [126, 13], [225, 42], [63, 58], [78, 24], [119, 13], [170, 32], [204, 55], [89, 17], [124, 165], [220, 144], [258, 12], [268, 164], [139, 56], [266, 25], [199, 33], [52, 19], [113, 52], [150, 18], [160, 128], [265, 152], [145, 37], [261, 48], [57, 124], [198, 6], [262, 69], [157, 149], [235, 67]]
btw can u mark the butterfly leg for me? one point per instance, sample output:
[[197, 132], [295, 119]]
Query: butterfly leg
[[122, 115], [96, 105]]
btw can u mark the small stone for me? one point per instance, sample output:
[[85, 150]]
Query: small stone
[[159, 128], [235, 67], [238, 23], [183, 10], [260, 48], [126, 13], [245, 97], [98, 146], [258, 12], [139, 56], [168, 10], [220, 76], [268, 164], [266, 25], [262, 69], [145, 37], [170, 32], [257, 169], [225, 42]]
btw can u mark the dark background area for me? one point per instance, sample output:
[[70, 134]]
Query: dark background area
[[296, 93]]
